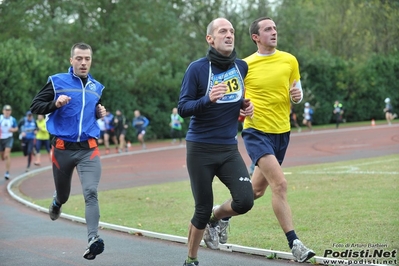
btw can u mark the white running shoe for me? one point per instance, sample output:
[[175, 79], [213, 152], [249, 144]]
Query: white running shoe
[[211, 236], [223, 225], [300, 252]]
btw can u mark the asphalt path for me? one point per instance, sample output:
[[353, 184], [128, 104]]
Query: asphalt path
[[29, 237]]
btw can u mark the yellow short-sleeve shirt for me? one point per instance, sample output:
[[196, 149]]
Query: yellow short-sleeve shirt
[[267, 85]]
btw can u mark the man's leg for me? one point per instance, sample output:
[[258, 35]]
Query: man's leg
[[259, 183], [89, 171], [194, 241], [63, 167], [106, 142], [115, 141], [7, 158], [179, 135], [230, 174], [173, 135], [38, 146], [272, 172], [388, 117], [201, 172], [30, 149], [140, 138], [122, 143]]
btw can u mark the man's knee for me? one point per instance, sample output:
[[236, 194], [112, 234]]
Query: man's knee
[[201, 216], [280, 187], [62, 198], [243, 206], [90, 193], [258, 192]]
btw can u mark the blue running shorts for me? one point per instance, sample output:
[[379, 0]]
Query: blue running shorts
[[259, 144]]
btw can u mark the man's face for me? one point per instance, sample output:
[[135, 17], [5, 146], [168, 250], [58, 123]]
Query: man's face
[[7, 112], [222, 37], [267, 33], [81, 62]]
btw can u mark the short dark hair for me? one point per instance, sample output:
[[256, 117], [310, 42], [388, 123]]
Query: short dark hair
[[254, 27], [82, 46]]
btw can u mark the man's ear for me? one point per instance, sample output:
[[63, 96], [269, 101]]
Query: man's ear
[[209, 39], [254, 37]]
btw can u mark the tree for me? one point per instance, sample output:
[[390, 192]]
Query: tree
[[142, 50], [25, 70]]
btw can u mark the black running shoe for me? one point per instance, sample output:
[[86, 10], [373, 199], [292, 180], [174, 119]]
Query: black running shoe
[[54, 211], [95, 247]]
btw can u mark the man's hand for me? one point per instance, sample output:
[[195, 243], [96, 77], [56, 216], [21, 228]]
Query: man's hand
[[62, 100], [295, 93], [101, 111], [217, 92], [247, 108]]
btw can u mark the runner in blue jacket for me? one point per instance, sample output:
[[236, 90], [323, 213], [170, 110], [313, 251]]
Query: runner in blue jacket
[[72, 102]]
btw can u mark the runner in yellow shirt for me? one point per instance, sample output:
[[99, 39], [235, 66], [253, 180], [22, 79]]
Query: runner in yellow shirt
[[42, 138], [272, 82]]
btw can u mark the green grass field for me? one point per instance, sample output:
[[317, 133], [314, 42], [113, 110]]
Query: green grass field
[[351, 202]]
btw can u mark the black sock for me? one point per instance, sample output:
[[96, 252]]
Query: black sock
[[291, 236]]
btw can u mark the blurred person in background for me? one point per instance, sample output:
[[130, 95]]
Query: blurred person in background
[[28, 130], [308, 116], [388, 110], [338, 112], [294, 119], [101, 125], [42, 138], [176, 122], [120, 125], [8, 125], [109, 133], [140, 123]]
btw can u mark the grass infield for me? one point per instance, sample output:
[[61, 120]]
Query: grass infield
[[335, 204]]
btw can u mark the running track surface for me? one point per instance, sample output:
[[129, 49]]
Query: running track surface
[[29, 237]]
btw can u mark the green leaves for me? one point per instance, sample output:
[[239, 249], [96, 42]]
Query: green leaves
[[346, 49]]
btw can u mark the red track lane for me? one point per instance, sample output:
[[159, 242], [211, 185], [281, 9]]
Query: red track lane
[[169, 165]]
